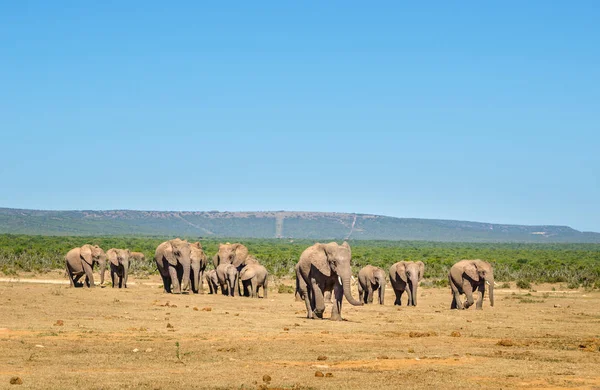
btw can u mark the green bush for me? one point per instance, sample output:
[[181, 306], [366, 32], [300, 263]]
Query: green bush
[[523, 284]]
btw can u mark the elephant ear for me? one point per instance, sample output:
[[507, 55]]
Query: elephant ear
[[86, 254], [320, 257], [471, 271], [421, 266], [401, 271], [112, 256], [169, 255], [241, 252]]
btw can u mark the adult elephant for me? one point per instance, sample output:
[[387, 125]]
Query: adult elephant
[[80, 261], [173, 260], [405, 276], [235, 254], [467, 276], [138, 256], [371, 278], [254, 276], [323, 267], [198, 262], [119, 266], [228, 278]]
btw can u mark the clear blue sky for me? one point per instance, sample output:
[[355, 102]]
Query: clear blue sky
[[479, 111]]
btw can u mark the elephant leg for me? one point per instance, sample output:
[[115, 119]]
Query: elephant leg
[[265, 287], [89, 275], [166, 282], [336, 309], [481, 290], [72, 281], [76, 280], [361, 293], [254, 284], [468, 290], [319, 300], [201, 281], [398, 301], [174, 280], [381, 294], [409, 294], [369, 294]]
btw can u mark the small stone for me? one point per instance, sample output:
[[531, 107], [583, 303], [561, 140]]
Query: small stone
[[59, 323], [195, 308], [266, 378], [319, 374], [286, 329], [383, 357], [169, 325], [557, 305], [148, 350], [39, 346], [135, 350], [469, 320], [455, 334], [329, 375], [15, 380], [322, 357], [207, 309]]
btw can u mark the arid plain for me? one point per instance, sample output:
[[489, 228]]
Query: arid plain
[[56, 337]]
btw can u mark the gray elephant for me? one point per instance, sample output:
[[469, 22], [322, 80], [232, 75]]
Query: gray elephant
[[405, 276], [254, 276], [119, 266], [198, 261], [325, 267], [138, 257], [81, 261], [174, 264], [235, 254], [467, 276], [212, 280], [371, 278], [228, 278]]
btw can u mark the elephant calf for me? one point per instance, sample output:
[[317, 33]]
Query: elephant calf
[[405, 276], [81, 261], [228, 278], [254, 276], [467, 276], [119, 266], [212, 281], [371, 278]]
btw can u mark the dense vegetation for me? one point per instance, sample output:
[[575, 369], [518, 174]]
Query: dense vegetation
[[574, 264]]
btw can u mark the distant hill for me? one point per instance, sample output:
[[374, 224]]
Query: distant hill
[[272, 224]]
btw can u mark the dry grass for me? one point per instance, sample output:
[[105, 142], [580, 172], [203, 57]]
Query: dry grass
[[141, 338]]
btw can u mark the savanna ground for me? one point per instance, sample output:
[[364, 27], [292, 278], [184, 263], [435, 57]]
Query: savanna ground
[[56, 337]]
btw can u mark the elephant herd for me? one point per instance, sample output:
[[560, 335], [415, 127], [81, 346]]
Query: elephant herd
[[181, 265], [323, 271]]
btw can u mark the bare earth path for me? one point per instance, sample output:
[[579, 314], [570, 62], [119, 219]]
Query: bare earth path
[[53, 336]]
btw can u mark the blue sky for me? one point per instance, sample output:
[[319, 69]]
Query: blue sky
[[478, 111]]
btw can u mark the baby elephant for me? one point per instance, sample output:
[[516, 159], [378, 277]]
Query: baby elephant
[[254, 276], [119, 266], [371, 278], [228, 278], [212, 281]]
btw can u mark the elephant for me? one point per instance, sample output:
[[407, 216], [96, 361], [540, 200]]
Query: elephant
[[405, 276], [468, 275], [198, 261], [212, 280], [173, 260], [228, 278], [119, 266], [235, 254], [138, 256], [254, 276], [371, 278], [323, 267], [80, 261]]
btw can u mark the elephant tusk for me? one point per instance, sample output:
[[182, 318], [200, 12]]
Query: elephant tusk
[[495, 284], [488, 283], [340, 280]]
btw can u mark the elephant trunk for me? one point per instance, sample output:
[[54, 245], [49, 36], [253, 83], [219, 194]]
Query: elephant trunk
[[102, 271], [195, 277], [414, 282], [125, 272], [185, 280], [345, 278], [491, 286]]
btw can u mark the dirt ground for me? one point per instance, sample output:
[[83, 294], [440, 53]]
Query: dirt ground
[[56, 337]]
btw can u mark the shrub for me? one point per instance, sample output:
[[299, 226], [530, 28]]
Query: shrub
[[284, 289], [523, 284]]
